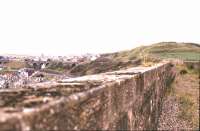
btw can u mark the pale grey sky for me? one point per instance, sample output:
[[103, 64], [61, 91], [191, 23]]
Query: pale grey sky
[[61, 27]]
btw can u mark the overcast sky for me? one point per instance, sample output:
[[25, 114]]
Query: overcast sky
[[61, 27]]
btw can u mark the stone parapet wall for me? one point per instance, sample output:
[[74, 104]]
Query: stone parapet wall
[[125, 99]]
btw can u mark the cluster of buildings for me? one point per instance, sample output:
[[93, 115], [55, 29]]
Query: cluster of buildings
[[20, 78], [68, 58], [33, 72]]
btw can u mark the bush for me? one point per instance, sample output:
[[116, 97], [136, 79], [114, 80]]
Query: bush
[[183, 71]]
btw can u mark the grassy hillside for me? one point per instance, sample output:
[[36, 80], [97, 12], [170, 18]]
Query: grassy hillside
[[184, 51], [140, 55]]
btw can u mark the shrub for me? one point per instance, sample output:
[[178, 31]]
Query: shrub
[[183, 71]]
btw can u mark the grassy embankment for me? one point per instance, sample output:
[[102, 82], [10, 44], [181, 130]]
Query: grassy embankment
[[159, 51], [186, 91]]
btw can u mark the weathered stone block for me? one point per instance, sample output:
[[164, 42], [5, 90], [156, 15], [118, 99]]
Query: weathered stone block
[[126, 100]]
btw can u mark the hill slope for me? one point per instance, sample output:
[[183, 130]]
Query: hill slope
[[184, 51], [136, 56]]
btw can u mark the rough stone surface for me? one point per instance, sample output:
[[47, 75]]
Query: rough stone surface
[[127, 99]]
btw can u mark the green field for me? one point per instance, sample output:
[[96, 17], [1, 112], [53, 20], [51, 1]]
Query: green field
[[193, 56]]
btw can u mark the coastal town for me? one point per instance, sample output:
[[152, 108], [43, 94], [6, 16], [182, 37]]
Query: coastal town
[[18, 71]]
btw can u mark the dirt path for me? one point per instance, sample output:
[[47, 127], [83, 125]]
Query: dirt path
[[181, 105], [169, 119]]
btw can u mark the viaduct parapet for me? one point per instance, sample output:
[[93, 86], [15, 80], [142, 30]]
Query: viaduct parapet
[[124, 100]]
